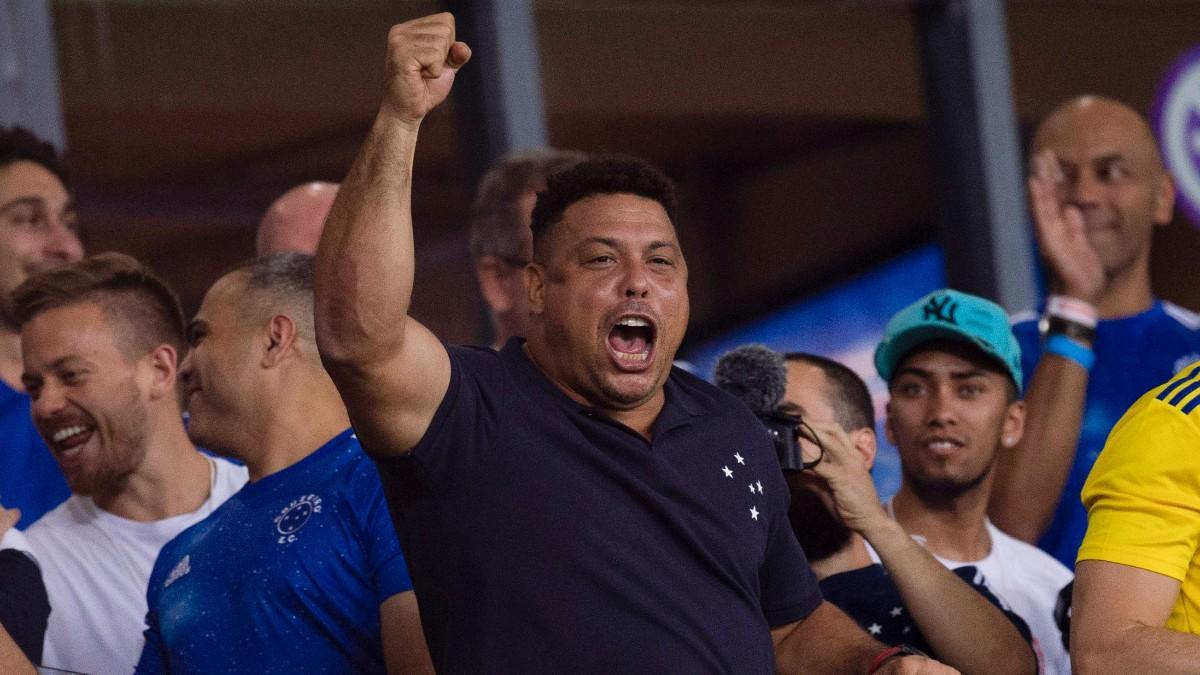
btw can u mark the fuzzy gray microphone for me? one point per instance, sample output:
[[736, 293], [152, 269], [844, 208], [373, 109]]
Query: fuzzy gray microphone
[[755, 375]]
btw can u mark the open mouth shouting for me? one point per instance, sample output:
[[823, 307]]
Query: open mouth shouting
[[631, 341]]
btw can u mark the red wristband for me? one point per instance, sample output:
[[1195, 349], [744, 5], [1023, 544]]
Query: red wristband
[[891, 653]]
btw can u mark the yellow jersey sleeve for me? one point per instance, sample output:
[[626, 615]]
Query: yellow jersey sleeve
[[1143, 494]]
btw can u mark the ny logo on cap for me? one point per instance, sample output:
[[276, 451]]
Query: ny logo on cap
[[941, 308]]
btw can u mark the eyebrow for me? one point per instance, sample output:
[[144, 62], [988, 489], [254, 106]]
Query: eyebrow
[[58, 363], [957, 375], [1108, 158], [614, 243], [35, 201]]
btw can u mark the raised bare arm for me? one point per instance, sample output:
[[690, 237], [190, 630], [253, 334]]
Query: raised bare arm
[[1031, 475], [391, 371]]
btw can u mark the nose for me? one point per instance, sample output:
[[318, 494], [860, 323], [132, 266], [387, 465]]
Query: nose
[[1084, 188], [62, 242], [186, 370], [942, 410], [49, 402], [637, 283]]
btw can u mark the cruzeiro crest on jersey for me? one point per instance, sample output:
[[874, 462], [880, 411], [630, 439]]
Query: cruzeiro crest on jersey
[[295, 516]]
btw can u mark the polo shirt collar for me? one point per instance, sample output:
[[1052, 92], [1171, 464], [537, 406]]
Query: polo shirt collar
[[680, 405]]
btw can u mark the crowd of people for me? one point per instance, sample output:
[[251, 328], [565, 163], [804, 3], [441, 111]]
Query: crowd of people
[[303, 478]]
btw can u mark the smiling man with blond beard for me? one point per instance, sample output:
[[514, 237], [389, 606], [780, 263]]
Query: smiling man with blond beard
[[101, 341]]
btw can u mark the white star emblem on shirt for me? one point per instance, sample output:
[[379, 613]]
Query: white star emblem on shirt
[[754, 512], [759, 484], [728, 472], [874, 629], [752, 488], [896, 611], [739, 458]]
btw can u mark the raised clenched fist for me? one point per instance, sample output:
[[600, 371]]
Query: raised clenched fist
[[422, 58]]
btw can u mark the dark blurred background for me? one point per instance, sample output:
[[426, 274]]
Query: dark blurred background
[[796, 129]]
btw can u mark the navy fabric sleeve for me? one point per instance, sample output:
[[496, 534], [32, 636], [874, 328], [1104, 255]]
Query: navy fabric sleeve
[[381, 547], [464, 421], [789, 588], [24, 607]]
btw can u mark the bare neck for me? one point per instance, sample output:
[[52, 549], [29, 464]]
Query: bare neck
[[297, 420], [955, 529], [852, 556], [1127, 293], [173, 478], [640, 419], [10, 357]]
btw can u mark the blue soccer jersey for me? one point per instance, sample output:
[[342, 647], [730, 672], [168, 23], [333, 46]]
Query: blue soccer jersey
[[29, 477], [285, 577], [1133, 355]]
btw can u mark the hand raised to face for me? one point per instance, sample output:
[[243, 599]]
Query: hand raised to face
[[1061, 233]]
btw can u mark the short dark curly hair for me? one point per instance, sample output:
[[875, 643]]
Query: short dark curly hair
[[614, 174], [18, 144]]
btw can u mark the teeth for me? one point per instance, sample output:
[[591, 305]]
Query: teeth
[[941, 445], [634, 322], [640, 356], [67, 432]]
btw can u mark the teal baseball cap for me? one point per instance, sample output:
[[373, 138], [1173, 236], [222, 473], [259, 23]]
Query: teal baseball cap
[[949, 315]]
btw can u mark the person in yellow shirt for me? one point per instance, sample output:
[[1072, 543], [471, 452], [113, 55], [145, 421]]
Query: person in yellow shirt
[[1136, 603]]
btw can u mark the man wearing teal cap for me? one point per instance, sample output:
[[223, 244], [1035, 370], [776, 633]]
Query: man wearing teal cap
[[953, 369]]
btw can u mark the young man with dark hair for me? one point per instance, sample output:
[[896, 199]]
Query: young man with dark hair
[[37, 231], [953, 370], [911, 597], [102, 340], [571, 502], [306, 549], [501, 243]]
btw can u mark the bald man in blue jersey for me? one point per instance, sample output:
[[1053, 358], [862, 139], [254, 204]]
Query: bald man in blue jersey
[[300, 571]]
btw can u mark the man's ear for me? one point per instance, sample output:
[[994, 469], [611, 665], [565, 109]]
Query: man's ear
[[281, 338], [1014, 424], [535, 287], [864, 441], [163, 364], [490, 271], [1164, 199]]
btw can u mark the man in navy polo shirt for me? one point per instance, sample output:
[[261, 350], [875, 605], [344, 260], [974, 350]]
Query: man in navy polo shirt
[[301, 570], [570, 503]]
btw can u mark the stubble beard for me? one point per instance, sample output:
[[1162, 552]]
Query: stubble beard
[[118, 462]]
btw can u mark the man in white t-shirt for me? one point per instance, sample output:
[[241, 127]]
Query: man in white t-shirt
[[101, 343], [953, 369]]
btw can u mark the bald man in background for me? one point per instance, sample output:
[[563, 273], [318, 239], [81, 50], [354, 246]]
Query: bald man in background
[[1098, 189], [295, 220]]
